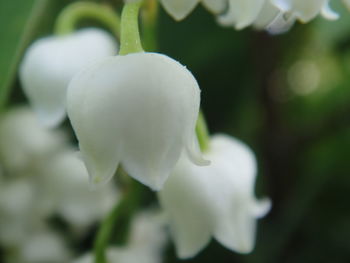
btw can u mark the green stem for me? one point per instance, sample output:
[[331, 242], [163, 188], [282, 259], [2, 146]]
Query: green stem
[[130, 41], [124, 208], [149, 25], [202, 132], [70, 16]]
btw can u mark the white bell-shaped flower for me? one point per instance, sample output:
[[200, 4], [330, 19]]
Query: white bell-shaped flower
[[217, 200], [42, 247], [50, 63], [139, 109], [65, 182], [306, 10], [24, 142], [17, 199], [241, 13], [146, 243]]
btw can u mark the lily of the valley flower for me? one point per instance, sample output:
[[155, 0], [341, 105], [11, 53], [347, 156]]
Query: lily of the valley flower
[[306, 10], [42, 247], [18, 212], [24, 143], [179, 9], [241, 13], [66, 186], [139, 109], [51, 62], [217, 200]]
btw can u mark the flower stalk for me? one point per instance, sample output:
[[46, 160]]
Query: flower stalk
[[130, 35], [67, 20], [123, 209]]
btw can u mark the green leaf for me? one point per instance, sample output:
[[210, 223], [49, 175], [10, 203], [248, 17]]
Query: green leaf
[[18, 20]]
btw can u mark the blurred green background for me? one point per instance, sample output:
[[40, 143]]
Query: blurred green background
[[286, 96]]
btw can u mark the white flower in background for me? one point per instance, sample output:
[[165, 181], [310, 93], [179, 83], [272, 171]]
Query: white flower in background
[[306, 10], [241, 13], [17, 211], [217, 200], [138, 109], [24, 143], [42, 247], [66, 185], [267, 15], [51, 62], [146, 243], [179, 9]]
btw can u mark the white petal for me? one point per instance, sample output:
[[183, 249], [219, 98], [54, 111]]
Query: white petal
[[51, 62], [328, 12], [236, 205], [44, 247], [301, 9], [66, 181], [137, 109], [283, 5], [24, 142], [184, 199], [261, 207], [241, 13], [281, 23], [267, 14], [179, 9], [215, 6]]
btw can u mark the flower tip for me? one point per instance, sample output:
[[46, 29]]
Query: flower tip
[[195, 154], [245, 248], [178, 17], [262, 207], [98, 180], [154, 182], [50, 119], [197, 158]]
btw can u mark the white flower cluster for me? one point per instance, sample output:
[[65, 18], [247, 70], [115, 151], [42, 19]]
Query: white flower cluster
[[274, 15], [42, 177]]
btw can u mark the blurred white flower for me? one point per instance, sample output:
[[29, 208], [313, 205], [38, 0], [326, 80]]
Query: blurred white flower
[[17, 211], [241, 13], [267, 15], [24, 143], [306, 10], [179, 9], [66, 185], [51, 62], [43, 247], [146, 242], [217, 200], [138, 109]]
